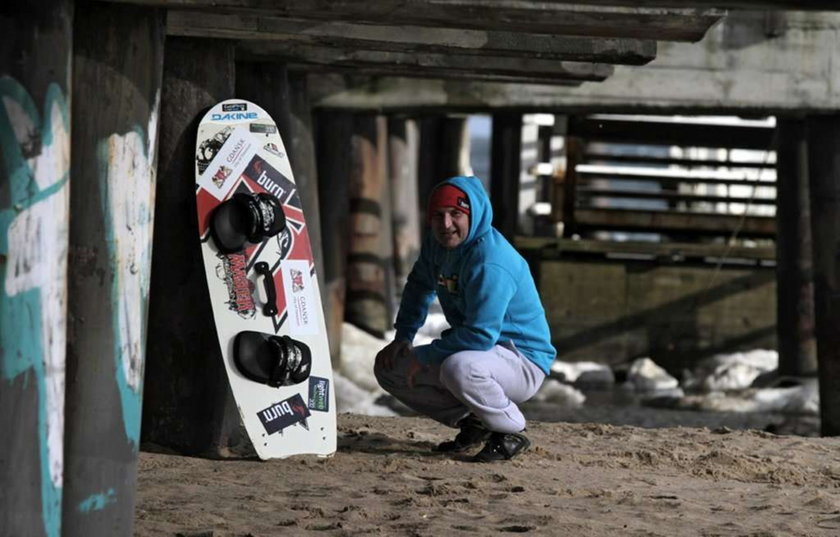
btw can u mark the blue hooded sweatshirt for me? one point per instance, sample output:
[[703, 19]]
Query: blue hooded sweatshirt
[[484, 287]]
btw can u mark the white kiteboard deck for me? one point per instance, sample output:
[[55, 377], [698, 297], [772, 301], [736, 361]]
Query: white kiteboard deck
[[239, 149]]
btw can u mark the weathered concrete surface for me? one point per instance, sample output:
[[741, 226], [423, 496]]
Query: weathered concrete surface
[[750, 62], [613, 312]]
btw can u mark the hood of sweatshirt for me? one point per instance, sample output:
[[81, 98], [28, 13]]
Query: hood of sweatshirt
[[481, 212]]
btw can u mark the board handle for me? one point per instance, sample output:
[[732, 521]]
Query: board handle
[[270, 307]]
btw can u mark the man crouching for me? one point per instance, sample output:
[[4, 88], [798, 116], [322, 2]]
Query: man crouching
[[498, 350]]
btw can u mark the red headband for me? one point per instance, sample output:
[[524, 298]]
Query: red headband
[[448, 196]]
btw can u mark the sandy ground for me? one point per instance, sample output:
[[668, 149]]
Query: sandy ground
[[577, 480]]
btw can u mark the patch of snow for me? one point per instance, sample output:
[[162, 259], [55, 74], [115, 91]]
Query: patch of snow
[[583, 372], [726, 372], [351, 398], [646, 376], [803, 399], [553, 391]]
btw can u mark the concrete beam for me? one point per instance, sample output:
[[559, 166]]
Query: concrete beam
[[742, 66], [435, 65], [409, 39], [664, 24]]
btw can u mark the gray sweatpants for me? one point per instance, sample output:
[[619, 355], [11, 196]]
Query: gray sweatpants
[[487, 383]]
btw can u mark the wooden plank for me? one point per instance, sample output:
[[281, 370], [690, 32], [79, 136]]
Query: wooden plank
[[425, 64], [794, 265], [666, 133], [373, 74], [666, 221], [669, 196], [817, 5], [409, 39], [663, 24], [824, 170], [35, 141], [664, 161], [113, 203], [671, 251], [674, 178]]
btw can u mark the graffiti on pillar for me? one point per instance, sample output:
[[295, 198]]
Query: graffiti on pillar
[[35, 151], [127, 182]]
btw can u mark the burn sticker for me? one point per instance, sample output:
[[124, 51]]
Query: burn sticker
[[284, 414]]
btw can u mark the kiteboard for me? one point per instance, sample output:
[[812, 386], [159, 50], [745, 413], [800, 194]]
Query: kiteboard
[[262, 283]]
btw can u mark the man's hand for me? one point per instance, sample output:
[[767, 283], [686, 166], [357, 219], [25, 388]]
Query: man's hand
[[387, 357], [414, 367], [400, 350]]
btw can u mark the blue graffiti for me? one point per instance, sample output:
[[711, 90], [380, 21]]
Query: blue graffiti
[[22, 314], [98, 502]]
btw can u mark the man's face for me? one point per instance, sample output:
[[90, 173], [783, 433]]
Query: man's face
[[450, 226]]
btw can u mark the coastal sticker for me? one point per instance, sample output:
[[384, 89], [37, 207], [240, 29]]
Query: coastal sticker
[[228, 163], [319, 394], [300, 297], [284, 414]]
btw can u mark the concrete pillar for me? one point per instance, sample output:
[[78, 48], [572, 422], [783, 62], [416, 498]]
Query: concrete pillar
[[188, 405], [35, 70], [824, 175], [112, 203], [794, 256]]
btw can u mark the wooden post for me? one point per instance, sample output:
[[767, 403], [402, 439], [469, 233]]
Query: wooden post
[[112, 203], [188, 405], [302, 153], [283, 96], [332, 139], [454, 148], [428, 160], [366, 281], [407, 218], [824, 175], [505, 165], [34, 197], [794, 256], [567, 190]]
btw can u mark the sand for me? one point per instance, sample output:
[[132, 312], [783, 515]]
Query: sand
[[577, 480]]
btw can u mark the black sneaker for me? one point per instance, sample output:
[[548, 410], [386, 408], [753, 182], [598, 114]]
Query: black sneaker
[[472, 434], [502, 447]]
